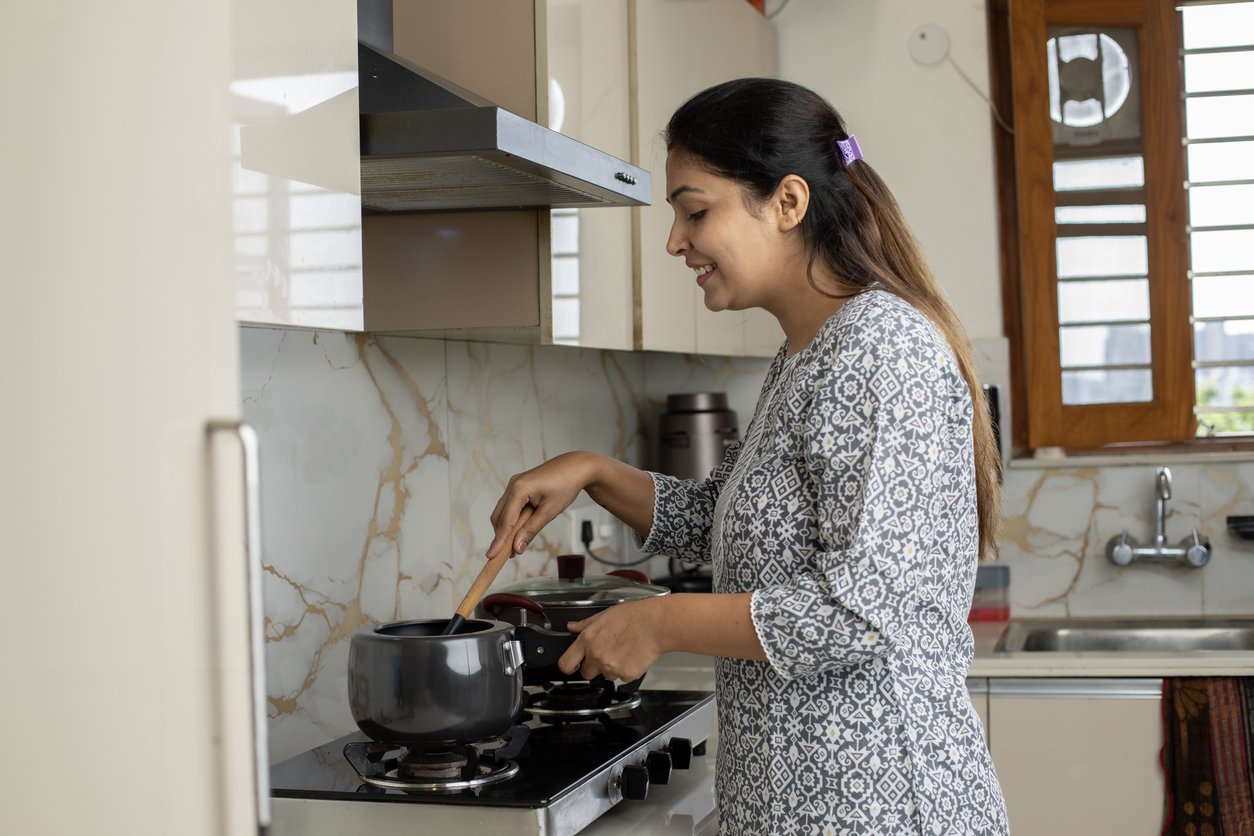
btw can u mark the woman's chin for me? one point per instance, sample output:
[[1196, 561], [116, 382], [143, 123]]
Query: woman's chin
[[716, 301]]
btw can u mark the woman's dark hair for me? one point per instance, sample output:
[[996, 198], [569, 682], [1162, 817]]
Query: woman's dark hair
[[756, 131]]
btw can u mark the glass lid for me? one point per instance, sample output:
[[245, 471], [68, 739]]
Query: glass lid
[[573, 589], [574, 592]]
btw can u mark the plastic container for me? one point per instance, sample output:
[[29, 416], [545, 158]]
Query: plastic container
[[991, 601]]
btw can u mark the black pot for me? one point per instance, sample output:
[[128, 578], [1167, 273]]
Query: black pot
[[407, 683]]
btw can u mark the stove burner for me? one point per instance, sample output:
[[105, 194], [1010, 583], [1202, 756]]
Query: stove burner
[[416, 766], [453, 769], [582, 700]]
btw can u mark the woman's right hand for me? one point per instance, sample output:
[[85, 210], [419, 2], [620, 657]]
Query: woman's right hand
[[549, 488]]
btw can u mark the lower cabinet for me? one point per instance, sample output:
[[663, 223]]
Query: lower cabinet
[[1078, 755]]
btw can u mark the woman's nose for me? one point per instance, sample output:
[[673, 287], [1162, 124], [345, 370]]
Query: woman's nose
[[675, 243]]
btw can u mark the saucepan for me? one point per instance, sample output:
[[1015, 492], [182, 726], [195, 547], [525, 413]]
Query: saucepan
[[408, 683]]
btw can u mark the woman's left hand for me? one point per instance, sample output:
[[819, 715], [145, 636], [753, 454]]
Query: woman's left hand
[[620, 642]]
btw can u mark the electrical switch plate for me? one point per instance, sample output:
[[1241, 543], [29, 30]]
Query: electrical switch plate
[[607, 532]]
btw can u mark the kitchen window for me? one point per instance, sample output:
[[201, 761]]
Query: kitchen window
[[1127, 196]]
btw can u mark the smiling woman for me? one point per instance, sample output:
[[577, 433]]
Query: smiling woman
[[844, 532]]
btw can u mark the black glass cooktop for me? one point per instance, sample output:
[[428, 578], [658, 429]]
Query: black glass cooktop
[[556, 758]]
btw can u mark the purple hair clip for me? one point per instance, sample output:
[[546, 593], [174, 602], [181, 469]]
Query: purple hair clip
[[849, 150]]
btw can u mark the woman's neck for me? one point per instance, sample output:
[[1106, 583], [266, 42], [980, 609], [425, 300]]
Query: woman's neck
[[800, 321]]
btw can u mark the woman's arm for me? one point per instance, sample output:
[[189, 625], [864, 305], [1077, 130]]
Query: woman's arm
[[623, 641], [623, 490]]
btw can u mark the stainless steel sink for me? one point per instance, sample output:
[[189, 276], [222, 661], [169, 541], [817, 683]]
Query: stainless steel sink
[[1127, 635]]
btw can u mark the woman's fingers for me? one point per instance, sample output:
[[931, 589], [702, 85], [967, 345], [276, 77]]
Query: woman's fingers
[[571, 659]]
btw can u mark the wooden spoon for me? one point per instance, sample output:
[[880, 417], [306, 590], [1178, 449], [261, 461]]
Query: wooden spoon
[[486, 575]]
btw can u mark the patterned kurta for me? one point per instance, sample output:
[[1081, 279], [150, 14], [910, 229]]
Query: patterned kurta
[[849, 512]]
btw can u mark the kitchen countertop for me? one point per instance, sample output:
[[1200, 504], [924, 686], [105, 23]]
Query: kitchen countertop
[[990, 663]]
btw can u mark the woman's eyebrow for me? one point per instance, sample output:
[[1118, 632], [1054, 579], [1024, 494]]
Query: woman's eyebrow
[[681, 190]]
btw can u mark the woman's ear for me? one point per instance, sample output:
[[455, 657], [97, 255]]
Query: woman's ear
[[791, 200]]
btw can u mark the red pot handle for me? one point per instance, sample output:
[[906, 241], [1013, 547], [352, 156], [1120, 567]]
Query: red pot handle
[[501, 600], [631, 575]]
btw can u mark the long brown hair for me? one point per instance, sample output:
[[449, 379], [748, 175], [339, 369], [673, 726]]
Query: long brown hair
[[758, 130]]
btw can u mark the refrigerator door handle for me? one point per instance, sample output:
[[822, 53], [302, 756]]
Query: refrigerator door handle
[[256, 608]]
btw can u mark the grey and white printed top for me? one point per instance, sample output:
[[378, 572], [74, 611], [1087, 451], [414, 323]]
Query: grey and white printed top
[[849, 512]]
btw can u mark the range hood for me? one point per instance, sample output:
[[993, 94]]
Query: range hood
[[427, 145]]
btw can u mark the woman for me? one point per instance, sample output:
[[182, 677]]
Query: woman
[[845, 530]]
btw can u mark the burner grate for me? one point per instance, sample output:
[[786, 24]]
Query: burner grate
[[582, 701], [450, 769]]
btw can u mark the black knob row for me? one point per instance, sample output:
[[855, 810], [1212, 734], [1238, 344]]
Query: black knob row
[[635, 779]]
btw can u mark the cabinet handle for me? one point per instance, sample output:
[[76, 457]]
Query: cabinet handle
[[1105, 688], [256, 609]]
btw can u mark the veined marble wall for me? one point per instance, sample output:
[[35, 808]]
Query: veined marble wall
[[381, 460], [1057, 522], [382, 457]]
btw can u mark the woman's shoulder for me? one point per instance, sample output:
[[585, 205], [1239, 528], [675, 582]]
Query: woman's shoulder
[[879, 318]]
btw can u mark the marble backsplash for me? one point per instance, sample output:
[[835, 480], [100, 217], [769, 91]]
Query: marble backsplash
[[1058, 520], [382, 458]]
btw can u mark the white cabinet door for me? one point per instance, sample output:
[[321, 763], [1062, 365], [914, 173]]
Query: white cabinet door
[[682, 47], [585, 94], [1078, 755], [297, 175], [125, 661]]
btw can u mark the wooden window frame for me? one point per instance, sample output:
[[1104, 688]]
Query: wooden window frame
[[1028, 232]]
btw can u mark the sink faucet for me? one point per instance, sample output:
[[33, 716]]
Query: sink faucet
[[1192, 551]]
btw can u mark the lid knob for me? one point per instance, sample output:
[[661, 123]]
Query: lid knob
[[570, 566]]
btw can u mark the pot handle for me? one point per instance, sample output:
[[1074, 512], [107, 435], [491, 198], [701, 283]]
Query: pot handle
[[501, 600], [541, 646], [631, 575]]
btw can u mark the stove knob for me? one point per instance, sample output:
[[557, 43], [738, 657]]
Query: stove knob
[[680, 749], [635, 782], [659, 766]]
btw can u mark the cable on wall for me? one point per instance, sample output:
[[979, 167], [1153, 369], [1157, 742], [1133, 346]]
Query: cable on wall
[[929, 45]]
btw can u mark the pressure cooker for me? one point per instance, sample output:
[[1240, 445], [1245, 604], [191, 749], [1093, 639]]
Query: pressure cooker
[[694, 433]]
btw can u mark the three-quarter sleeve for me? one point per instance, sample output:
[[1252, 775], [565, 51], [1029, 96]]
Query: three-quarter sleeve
[[683, 512], [875, 448]]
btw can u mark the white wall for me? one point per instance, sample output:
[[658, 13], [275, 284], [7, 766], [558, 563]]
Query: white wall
[[928, 134]]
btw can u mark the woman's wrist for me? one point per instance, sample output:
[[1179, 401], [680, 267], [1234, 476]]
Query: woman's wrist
[[593, 470]]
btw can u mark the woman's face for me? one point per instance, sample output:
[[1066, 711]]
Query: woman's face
[[738, 252]]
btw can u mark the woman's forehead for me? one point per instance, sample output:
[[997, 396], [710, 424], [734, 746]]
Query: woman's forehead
[[687, 172]]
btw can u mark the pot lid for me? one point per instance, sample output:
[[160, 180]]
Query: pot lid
[[579, 590]]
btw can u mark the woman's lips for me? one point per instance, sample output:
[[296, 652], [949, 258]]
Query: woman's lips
[[703, 274]]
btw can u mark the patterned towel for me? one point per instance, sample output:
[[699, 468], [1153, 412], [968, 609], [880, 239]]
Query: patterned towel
[[1208, 738]]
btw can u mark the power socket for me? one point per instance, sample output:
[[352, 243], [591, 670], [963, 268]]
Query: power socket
[[606, 532]]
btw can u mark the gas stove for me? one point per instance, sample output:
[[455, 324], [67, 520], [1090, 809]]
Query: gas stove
[[576, 753]]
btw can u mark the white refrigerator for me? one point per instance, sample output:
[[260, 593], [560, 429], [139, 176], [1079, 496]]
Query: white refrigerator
[[126, 701]]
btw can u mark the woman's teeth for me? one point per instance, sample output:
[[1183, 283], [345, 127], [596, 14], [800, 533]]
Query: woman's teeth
[[706, 268]]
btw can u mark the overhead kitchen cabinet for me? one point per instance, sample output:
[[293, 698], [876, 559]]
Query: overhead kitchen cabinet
[[316, 247], [681, 47], [611, 72], [389, 230]]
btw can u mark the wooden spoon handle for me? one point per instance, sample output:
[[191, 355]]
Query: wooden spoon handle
[[493, 566]]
